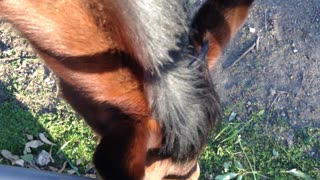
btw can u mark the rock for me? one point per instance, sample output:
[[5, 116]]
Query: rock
[[233, 116], [252, 30], [43, 158]]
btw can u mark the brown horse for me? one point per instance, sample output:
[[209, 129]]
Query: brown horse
[[137, 71]]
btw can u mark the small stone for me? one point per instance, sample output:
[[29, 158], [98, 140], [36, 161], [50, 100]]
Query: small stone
[[47, 80], [295, 50], [273, 92], [233, 116], [71, 171], [252, 30], [43, 158], [19, 162]]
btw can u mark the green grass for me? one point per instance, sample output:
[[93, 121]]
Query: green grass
[[75, 139], [29, 105], [253, 148], [15, 123]]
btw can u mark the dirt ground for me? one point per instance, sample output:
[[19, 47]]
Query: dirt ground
[[280, 72]]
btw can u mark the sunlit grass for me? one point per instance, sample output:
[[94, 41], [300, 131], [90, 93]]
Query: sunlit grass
[[253, 148]]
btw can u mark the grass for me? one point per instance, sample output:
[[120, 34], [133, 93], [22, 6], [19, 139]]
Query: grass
[[75, 140], [29, 106], [15, 123], [254, 148]]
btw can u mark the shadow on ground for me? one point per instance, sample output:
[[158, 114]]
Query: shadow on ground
[[16, 122]]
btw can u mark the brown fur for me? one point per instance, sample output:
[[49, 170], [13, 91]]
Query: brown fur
[[217, 23], [84, 44]]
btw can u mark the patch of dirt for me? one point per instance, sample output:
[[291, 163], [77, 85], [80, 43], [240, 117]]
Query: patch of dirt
[[280, 74], [20, 68], [12, 45]]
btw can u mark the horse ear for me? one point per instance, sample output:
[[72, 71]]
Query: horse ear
[[216, 23]]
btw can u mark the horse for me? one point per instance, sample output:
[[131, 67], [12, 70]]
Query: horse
[[138, 72]]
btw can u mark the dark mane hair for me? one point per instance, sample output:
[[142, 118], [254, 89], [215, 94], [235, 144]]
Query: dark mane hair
[[179, 88]]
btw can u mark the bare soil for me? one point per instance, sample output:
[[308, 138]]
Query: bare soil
[[280, 72]]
